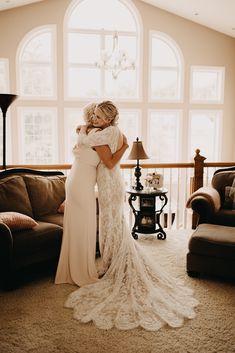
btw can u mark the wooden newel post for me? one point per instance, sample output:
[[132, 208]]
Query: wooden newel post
[[197, 180]]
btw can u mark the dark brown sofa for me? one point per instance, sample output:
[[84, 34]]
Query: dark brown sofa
[[37, 194]]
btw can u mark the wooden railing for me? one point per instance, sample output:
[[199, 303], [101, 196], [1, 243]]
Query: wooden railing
[[181, 179]]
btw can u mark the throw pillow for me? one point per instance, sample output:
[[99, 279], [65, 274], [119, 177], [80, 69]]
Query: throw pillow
[[17, 221], [227, 200], [61, 208]]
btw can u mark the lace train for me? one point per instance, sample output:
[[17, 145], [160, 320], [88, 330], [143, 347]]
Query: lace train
[[134, 292]]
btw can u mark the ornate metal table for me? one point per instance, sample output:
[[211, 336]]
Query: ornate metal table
[[147, 215]]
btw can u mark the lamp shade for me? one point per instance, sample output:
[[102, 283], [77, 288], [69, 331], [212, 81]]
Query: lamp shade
[[5, 101], [137, 151]]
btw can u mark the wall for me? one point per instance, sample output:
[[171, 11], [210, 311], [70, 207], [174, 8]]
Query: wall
[[199, 45]]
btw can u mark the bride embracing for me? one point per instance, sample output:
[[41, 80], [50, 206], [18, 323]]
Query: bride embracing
[[134, 290]]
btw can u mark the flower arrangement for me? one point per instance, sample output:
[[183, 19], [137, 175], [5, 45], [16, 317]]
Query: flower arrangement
[[154, 181]]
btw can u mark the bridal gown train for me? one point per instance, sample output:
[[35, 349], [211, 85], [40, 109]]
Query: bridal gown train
[[135, 290], [77, 257]]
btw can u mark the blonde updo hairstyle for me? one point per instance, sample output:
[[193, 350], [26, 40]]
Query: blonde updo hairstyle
[[110, 111], [88, 112]]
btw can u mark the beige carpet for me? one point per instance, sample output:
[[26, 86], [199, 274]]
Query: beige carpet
[[33, 319]]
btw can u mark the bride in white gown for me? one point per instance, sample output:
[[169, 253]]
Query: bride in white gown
[[135, 290]]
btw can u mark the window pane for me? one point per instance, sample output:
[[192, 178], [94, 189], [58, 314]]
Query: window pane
[[83, 48], [38, 139], [37, 80], [164, 84], [166, 69], [129, 124], [90, 14], [8, 138], [162, 54], [123, 87], [37, 65], [84, 82], [163, 132], [207, 85], [38, 49], [204, 134]]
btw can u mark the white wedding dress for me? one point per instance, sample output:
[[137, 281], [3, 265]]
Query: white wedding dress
[[135, 290]]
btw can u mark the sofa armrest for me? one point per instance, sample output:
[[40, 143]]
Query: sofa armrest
[[205, 199], [6, 248]]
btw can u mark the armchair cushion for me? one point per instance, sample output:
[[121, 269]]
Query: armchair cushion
[[210, 194]]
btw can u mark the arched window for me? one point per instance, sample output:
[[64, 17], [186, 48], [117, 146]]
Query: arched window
[[37, 64], [166, 75], [93, 28]]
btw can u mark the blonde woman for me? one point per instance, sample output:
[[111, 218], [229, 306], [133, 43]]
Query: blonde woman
[[134, 290]]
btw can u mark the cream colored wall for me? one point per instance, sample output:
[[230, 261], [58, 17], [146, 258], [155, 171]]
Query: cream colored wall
[[199, 45]]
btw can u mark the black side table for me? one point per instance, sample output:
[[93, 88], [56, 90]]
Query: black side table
[[147, 216]]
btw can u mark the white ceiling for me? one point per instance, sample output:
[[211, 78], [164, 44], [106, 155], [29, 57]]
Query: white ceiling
[[216, 14], [9, 4]]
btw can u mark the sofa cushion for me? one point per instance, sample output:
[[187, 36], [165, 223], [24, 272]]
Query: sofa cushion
[[17, 221], [56, 218], [35, 245], [14, 196], [46, 193]]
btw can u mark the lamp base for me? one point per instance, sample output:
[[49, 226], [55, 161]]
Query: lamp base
[[138, 186]]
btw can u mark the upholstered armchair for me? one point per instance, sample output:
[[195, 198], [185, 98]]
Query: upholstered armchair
[[215, 204]]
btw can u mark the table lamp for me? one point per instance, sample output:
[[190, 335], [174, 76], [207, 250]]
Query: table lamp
[[137, 152], [5, 101]]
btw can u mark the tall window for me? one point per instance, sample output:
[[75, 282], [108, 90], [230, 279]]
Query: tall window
[[164, 132], [37, 64], [205, 133], [205, 126], [89, 31], [166, 77], [38, 135]]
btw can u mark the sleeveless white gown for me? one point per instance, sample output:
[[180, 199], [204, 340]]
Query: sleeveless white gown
[[77, 257], [135, 290]]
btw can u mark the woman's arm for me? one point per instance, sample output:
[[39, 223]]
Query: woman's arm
[[99, 138], [109, 159]]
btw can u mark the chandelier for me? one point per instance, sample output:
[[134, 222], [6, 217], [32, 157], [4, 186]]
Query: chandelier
[[116, 61]]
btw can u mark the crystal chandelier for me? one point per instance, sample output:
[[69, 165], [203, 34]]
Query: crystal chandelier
[[116, 61]]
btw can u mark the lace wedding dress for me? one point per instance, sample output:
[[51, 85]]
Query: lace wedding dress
[[135, 290]]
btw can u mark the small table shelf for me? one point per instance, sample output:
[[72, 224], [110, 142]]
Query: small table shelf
[[147, 215]]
